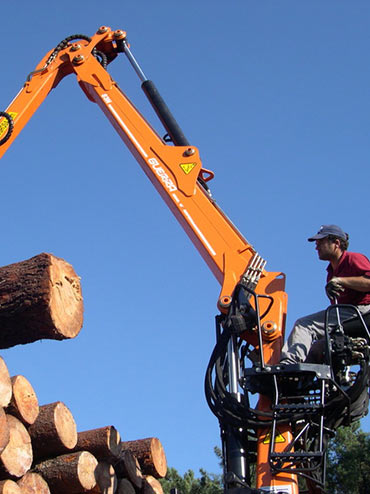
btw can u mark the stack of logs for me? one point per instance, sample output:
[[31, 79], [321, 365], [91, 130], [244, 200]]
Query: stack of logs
[[41, 451]]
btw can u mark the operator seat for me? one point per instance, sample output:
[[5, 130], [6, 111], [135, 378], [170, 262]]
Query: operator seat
[[353, 327]]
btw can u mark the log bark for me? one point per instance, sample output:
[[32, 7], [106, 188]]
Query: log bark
[[16, 459], [106, 479], [103, 443], [24, 404], [125, 487], [9, 487], [128, 466], [5, 383], [151, 485], [72, 473], [39, 298], [33, 483], [54, 432], [150, 454], [4, 430]]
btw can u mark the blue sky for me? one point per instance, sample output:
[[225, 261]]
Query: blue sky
[[276, 97]]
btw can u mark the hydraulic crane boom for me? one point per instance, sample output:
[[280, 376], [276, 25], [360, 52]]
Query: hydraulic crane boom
[[174, 168], [252, 301], [175, 171]]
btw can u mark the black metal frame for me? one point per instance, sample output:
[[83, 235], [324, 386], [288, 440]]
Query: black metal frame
[[307, 396]]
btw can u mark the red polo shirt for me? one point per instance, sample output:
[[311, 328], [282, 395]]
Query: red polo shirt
[[351, 264]]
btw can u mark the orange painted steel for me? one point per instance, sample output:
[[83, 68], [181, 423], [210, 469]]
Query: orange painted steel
[[174, 171]]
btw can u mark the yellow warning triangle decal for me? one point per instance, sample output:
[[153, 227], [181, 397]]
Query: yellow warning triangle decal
[[278, 438], [187, 167]]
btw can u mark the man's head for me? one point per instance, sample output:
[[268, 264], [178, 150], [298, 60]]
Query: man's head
[[331, 242]]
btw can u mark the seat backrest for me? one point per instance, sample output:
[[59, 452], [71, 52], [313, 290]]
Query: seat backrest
[[354, 328]]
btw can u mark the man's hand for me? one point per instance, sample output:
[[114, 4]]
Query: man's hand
[[334, 288]]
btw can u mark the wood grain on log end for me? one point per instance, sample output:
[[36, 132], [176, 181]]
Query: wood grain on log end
[[4, 430], [5, 384], [33, 483], [40, 298], [54, 432], [66, 298], [9, 487], [16, 459], [150, 454], [151, 485], [24, 404]]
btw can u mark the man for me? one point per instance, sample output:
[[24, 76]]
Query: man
[[348, 281]]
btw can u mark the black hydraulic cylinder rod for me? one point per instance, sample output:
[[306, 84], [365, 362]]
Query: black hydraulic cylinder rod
[[164, 114], [236, 462]]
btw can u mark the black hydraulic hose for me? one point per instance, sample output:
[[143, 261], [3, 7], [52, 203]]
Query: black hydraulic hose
[[222, 403]]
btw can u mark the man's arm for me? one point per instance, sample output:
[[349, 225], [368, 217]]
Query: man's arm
[[359, 283]]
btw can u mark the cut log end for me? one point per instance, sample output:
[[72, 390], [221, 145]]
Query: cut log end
[[24, 404], [72, 473], [33, 483], [66, 304], [10, 487], [4, 430], [5, 384], [86, 470], [151, 485], [16, 459], [150, 454], [54, 432]]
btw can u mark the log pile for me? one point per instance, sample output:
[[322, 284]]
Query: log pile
[[41, 451]]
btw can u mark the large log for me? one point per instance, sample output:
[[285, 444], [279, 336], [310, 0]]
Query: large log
[[72, 473], [24, 404], [150, 454], [103, 443], [9, 487], [127, 466], [16, 459], [54, 432], [5, 383], [4, 430], [33, 483], [39, 298]]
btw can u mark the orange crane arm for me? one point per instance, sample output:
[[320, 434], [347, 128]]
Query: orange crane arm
[[175, 171]]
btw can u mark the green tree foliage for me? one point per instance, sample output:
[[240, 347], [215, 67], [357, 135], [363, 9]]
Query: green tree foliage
[[207, 483], [348, 469]]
